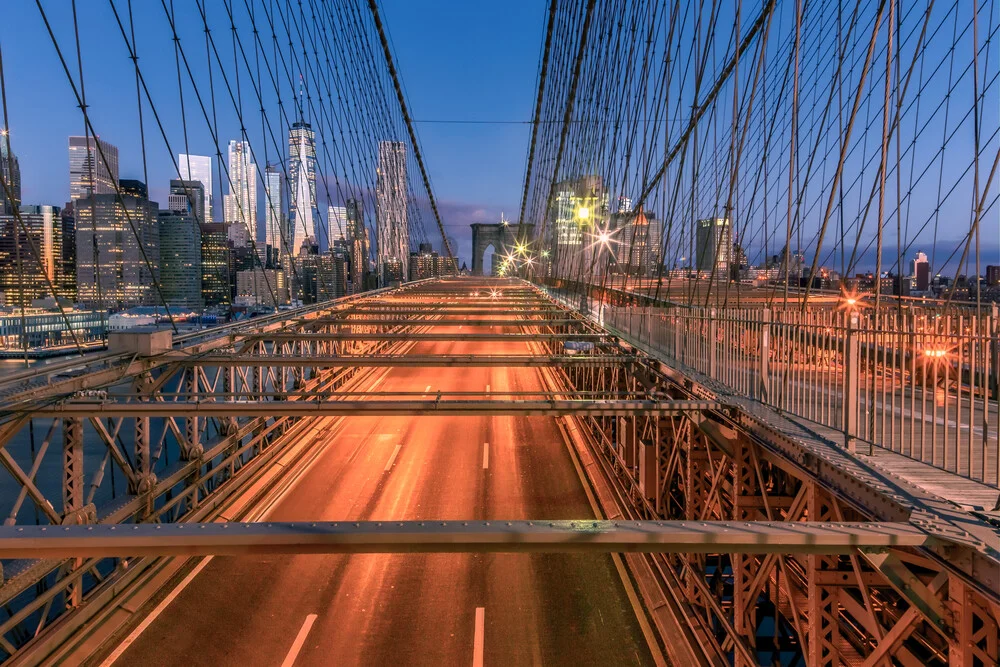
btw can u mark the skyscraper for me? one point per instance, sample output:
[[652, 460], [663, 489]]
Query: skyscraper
[[261, 287], [111, 260], [921, 273], [273, 210], [10, 174], [199, 168], [357, 239], [93, 167], [68, 223], [580, 206], [215, 288], [133, 188], [302, 182], [323, 275], [241, 202], [32, 280], [187, 197], [392, 234], [714, 246], [637, 243], [180, 258], [238, 235], [336, 222]]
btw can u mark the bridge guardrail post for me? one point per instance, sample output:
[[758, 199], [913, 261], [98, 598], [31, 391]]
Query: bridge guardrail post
[[765, 352], [713, 344], [994, 380], [852, 367], [677, 335], [649, 327], [994, 377]]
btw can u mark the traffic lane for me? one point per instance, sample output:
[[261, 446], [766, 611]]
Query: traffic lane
[[537, 608], [549, 608]]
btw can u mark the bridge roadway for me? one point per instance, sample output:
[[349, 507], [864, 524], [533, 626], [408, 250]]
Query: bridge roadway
[[415, 609]]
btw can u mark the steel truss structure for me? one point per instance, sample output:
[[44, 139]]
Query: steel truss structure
[[762, 537], [937, 604]]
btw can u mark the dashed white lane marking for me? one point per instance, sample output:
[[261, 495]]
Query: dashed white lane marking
[[128, 641], [392, 459], [487, 389], [300, 640], [427, 389], [479, 641], [486, 455]]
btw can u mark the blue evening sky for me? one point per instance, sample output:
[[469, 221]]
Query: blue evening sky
[[458, 60]]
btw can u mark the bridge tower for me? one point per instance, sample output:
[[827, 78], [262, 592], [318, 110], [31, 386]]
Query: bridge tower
[[500, 235]]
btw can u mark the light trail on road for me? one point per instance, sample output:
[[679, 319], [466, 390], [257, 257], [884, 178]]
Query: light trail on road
[[417, 609]]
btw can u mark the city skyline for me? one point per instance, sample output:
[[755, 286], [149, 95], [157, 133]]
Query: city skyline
[[82, 161]]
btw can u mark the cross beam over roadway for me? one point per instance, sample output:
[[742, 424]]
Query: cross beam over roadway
[[444, 310], [423, 322], [184, 539], [436, 337], [430, 361], [373, 408]]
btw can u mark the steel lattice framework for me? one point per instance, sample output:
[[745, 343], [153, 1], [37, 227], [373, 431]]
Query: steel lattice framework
[[749, 533]]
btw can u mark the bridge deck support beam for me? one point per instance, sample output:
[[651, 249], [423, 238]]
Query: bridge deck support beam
[[823, 644], [746, 491], [73, 497]]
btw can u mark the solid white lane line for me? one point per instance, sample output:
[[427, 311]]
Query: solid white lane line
[[128, 641], [486, 455], [478, 643], [300, 640], [392, 459]]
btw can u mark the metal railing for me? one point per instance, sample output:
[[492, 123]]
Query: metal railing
[[921, 383]]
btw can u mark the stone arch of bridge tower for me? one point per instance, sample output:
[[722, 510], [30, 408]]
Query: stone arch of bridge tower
[[498, 235]]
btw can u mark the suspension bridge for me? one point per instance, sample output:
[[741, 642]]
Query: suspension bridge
[[703, 414]]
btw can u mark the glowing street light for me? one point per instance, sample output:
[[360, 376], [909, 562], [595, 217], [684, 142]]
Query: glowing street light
[[583, 213], [850, 301]]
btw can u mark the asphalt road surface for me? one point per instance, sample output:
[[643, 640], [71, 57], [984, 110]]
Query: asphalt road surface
[[434, 609]]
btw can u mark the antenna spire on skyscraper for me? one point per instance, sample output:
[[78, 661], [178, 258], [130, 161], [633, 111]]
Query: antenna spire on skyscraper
[[301, 93]]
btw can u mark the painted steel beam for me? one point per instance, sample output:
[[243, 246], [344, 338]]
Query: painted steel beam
[[450, 310], [430, 361], [512, 322], [404, 336], [180, 539], [372, 408]]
